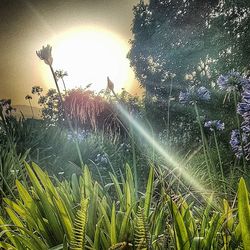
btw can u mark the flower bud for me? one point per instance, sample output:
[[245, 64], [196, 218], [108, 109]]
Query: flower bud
[[45, 54], [110, 85]]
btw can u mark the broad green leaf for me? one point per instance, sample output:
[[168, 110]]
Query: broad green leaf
[[113, 234], [149, 192], [244, 213], [182, 239]]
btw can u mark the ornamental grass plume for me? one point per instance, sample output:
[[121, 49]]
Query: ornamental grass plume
[[84, 107]]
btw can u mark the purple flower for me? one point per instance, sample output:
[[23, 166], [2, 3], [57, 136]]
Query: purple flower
[[243, 107], [246, 95], [219, 125], [245, 126], [232, 81], [239, 144], [208, 124], [204, 93], [235, 143], [214, 125], [222, 82], [184, 97]]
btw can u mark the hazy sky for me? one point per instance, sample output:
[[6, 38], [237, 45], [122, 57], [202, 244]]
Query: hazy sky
[[26, 25]]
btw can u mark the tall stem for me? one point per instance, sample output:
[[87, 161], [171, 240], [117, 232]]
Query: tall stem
[[66, 117], [169, 101], [64, 85], [31, 109], [220, 161], [131, 135], [205, 145]]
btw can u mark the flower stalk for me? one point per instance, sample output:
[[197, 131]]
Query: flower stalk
[[45, 55], [28, 97], [220, 162]]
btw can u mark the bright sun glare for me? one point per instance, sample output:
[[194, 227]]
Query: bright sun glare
[[89, 55]]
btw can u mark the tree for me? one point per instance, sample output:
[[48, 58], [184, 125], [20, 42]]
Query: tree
[[186, 37]]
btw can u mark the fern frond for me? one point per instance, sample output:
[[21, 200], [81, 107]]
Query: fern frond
[[141, 235], [80, 224], [119, 246]]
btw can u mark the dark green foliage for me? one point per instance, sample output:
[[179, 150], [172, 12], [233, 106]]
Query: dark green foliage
[[42, 217], [200, 39]]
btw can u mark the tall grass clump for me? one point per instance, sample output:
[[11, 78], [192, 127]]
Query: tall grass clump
[[82, 214]]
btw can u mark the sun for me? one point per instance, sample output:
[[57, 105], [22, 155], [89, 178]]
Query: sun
[[91, 54]]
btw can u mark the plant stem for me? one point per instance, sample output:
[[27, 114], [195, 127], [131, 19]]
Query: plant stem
[[131, 135], [66, 117], [64, 85], [205, 145], [31, 108], [169, 101], [220, 161]]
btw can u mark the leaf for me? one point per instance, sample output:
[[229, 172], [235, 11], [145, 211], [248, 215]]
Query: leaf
[[181, 235], [97, 235], [149, 192], [125, 225], [79, 231], [244, 213], [113, 234], [117, 189]]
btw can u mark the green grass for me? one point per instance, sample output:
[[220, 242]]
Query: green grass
[[82, 214]]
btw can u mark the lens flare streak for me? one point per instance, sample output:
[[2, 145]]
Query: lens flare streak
[[173, 163]]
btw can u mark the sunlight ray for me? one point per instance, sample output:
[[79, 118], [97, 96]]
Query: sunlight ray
[[173, 163]]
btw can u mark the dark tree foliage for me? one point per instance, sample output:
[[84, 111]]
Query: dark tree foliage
[[181, 37], [168, 38], [229, 32], [173, 36]]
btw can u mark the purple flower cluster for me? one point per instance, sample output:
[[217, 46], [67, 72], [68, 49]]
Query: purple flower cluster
[[5, 107], [235, 142], [232, 81], [184, 97], [202, 93], [240, 143], [244, 106], [214, 125], [240, 139]]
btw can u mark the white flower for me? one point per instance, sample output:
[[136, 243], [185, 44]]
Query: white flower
[[45, 54]]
